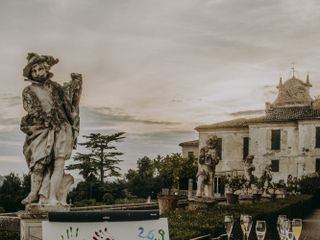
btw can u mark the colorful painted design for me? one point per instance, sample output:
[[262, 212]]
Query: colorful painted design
[[102, 234], [70, 234], [151, 235]]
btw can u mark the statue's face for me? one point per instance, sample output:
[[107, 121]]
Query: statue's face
[[38, 72]]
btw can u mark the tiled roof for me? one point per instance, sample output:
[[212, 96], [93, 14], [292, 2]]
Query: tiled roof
[[194, 143], [280, 115], [292, 113], [236, 123]]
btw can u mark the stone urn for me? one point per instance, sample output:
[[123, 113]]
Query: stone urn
[[232, 198], [167, 203]]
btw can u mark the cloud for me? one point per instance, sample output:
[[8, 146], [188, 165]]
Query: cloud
[[12, 164], [159, 65], [10, 100], [120, 115], [106, 118], [247, 113], [11, 112]]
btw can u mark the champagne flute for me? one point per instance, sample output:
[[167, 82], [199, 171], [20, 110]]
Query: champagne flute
[[247, 222], [242, 226], [297, 228], [261, 229], [228, 223], [280, 227], [288, 229]]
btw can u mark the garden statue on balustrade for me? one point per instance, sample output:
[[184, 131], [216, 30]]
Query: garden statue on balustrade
[[266, 178], [248, 168], [208, 159], [51, 127]]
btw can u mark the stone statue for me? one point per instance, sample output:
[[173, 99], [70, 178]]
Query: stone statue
[[248, 169], [266, 178], [51, 127], [208, 159]]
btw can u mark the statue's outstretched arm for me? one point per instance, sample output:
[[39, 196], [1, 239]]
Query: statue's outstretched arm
[[72, 91]]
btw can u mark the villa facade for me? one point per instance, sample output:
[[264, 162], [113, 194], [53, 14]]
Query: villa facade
[[287, 136]]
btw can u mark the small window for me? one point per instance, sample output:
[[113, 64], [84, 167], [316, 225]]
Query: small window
[[275, 139], [275, 165], [245, 147], [318, 165], [317, 137]]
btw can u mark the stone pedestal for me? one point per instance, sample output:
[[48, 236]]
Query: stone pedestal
[[31, 229], [167, 203], [31, 219], [201, 203]]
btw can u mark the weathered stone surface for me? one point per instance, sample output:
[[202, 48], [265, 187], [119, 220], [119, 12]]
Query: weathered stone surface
[[208, 159], [248, 168], [35, 208], [51, 127], [167, 203], [31, 229]]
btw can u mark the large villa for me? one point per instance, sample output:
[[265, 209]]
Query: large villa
[[287, 136]]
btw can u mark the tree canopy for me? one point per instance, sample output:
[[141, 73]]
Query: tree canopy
[[102, 160]]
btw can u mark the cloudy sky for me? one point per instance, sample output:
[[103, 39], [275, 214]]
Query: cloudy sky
[[156, 68]]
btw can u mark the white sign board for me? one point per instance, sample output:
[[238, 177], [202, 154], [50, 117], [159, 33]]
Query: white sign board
[[131, 230]]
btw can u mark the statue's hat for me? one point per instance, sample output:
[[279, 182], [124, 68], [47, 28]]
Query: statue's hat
[[34, 58]]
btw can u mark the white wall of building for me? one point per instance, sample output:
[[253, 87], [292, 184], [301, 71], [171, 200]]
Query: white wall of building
[[297, 154], [232, 147], [260, 147], [187, 149], [307, 142]]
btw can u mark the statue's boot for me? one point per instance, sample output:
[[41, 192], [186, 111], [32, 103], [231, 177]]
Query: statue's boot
[[56, 180], [66, 184], [210, 189], [32, 197], [36, 180]]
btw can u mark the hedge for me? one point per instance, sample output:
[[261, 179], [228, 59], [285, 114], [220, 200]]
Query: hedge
[[185, 224], [6, 235]]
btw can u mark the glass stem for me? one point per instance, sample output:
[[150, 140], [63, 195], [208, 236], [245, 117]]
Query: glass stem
[[244, 236]]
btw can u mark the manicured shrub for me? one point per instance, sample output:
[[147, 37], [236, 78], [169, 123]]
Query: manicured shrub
[[108, 198]]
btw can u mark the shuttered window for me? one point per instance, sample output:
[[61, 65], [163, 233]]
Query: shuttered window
[[318, 165], [275, 139], [245, 147], [275, 165], [317, 137]]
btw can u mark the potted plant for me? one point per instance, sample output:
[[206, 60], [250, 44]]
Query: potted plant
[[233, 184], [257, 189], [168, 168], [281, 188]]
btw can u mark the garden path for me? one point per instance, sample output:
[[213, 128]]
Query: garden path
[[311, 226]]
